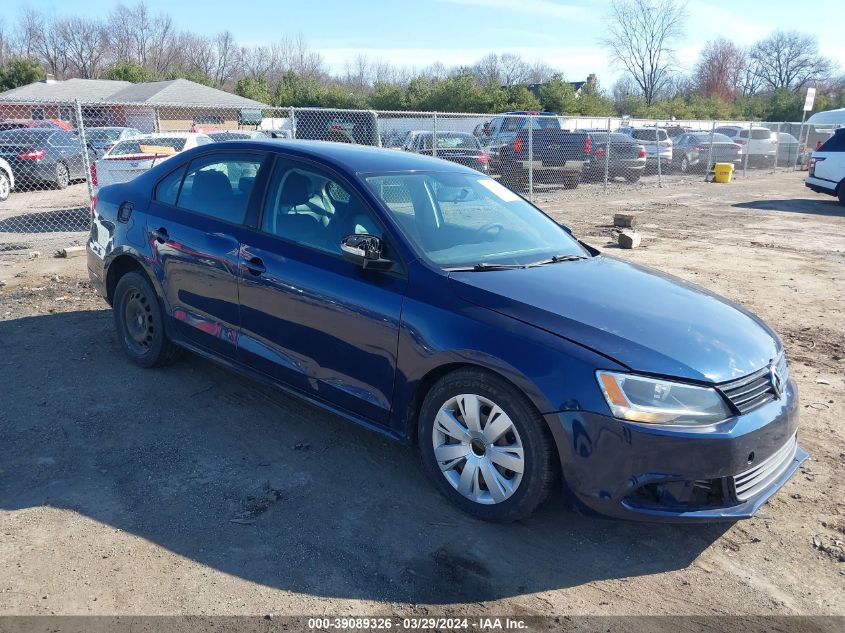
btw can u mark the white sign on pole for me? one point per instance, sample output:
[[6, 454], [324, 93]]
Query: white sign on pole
[[808, 101]]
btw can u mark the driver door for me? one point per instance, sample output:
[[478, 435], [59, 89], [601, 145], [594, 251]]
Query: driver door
[[310, 318]]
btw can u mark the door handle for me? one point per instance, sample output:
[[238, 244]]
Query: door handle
[[255, 266], [160, 235]]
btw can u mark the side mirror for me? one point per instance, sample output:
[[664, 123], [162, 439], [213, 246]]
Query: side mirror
[[365, 251]]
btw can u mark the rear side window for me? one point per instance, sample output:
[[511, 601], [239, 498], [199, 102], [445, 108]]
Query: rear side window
[[835, 143], [167, 189], [219, 185], [761, 135]]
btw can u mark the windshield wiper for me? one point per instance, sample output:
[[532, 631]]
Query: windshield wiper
[[483, 266], [556, 259]]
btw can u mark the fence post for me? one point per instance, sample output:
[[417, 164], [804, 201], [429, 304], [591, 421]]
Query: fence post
[[80, 129], [777, 150], [747, 150], [607, 157], [530, 159], [710, 151], [434, 134], [657, 149], [292, 115]]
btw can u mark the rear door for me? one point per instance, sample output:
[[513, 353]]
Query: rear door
[[195, 224], [309, 317]]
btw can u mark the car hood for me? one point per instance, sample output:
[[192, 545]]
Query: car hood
[[646, 320]]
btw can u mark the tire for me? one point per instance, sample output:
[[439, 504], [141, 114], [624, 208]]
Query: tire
[[5, 186], [62, 176], [513, 495], [685, 166], [840, 193], [138, 319], [632, 177], [517, 184], [571, 182]]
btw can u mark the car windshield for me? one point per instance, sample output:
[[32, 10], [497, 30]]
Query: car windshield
[[101, 135], [452, 141], [228, 136], [649, 135], [704, 137], [134, 146], [26, 135], [461, 220]]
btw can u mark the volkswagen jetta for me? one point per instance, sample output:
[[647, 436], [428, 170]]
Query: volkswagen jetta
[[426, 301]]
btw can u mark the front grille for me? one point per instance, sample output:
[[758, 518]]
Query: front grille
[[764, 474], [755, 390]]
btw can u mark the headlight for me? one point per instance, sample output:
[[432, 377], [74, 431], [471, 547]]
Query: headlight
[[655, 401]]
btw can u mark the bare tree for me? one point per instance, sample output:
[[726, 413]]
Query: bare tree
[[226, 58], [721, 70], [540, 72], [514, 69], [640, 38], [85, 42], [789, 59]]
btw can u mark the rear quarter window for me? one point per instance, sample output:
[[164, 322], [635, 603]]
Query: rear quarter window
[[835, 143], [761, 135], [167, 189]]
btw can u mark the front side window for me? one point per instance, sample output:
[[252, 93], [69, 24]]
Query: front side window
[[220, 185], [463, 220], [312, 208]]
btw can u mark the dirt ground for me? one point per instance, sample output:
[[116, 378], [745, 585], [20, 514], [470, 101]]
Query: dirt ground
[[190, 490]]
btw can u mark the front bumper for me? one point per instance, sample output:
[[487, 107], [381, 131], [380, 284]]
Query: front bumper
[[649, 473]]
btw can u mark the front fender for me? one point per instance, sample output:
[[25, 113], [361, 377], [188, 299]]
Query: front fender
[[438, 330]]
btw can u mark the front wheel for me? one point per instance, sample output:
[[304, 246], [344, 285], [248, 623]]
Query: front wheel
[[485, 447], [62, 176], [5, 186], [139, 323]]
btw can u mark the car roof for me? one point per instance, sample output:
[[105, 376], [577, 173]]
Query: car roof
[[351, 157]]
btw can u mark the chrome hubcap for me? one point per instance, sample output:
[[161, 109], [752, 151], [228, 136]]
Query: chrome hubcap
[[5, 187], [478, 449]]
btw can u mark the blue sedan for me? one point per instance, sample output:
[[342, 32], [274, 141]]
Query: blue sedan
[[425, 301]]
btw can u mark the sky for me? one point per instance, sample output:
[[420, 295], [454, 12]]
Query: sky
[[417, 33]]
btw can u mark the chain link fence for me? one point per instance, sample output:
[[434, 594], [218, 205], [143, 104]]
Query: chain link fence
[[54, 156]]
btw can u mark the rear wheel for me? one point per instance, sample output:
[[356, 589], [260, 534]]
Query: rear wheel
[[515, 182], [570, 182], [62, 176], [632, 177], [485, 447], [840, 193], [139, 323]]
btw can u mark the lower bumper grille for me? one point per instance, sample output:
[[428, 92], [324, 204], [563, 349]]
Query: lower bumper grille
[[761, 476]]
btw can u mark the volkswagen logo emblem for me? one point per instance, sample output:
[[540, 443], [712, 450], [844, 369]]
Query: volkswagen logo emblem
[[776, 380]]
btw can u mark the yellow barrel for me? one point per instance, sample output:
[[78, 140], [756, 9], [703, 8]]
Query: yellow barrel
[[723, 172]]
